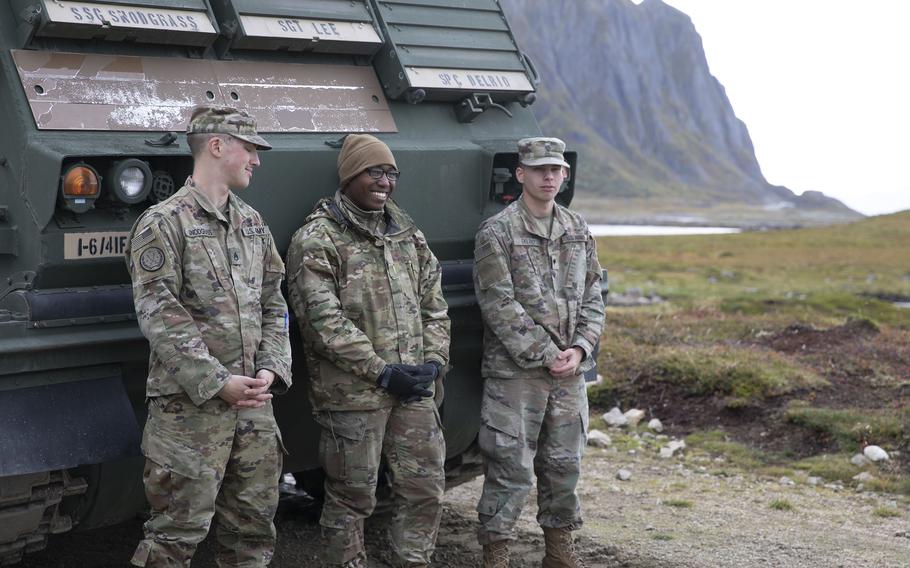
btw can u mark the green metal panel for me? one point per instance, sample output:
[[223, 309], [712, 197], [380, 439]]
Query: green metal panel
[[447, 37], [346, 10], [325, 26], [167, 22], [438, 45], [421, 56], [169, 4], [435, 17]]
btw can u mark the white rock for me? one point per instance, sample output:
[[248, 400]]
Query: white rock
[[656, 425], [814, 480], [863, 477], [786, 481], [859, 460], [598, 439], [634, 416], [615, 418], [671, 448], [875, 453], [624, 475]]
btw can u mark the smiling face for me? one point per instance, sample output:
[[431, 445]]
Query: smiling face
[[540, 184], [370, 194], [238, 159]]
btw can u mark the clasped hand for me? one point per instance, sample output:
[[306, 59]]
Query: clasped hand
[[248, 392], [566, 364], [409, 382]]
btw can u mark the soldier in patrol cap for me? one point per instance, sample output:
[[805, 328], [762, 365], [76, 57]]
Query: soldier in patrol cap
[[207, 290], [537, 281], [367, 292]]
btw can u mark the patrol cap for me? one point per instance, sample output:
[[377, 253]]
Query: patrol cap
[[226, 120], [541, 151]]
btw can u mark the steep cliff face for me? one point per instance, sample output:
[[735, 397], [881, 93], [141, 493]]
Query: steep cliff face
[[629, 88]]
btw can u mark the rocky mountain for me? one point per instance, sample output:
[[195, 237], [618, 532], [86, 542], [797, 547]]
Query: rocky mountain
[[628, 86]]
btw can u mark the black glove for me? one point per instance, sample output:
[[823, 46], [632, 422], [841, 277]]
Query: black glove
[[430, 369], [405, 381]]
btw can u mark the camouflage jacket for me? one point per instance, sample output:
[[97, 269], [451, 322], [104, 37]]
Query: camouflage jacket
[[538, 293], [207, 291], [363, 300]]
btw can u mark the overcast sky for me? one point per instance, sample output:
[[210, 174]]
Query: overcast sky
[[824, 88]]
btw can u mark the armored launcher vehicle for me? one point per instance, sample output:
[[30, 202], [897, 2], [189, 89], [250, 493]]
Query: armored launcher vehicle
[[95, 96]]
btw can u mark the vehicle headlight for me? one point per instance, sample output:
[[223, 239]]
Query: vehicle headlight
[[80, 187], [130, 180]]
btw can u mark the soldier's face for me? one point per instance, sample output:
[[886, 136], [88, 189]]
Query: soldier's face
[[540, 183], [370, 194], [239, 159]]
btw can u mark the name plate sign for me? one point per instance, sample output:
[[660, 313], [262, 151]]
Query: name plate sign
[[134, 17], [468, 79], [88, 246], [314, 30]]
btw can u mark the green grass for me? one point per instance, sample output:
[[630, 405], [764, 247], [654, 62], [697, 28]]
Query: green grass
[[831, 271], [727, 345], [850, 427], [716, 443], [781, 505], [886, 512], [743, 375], [662, 536], [830, 467], [678, 503]]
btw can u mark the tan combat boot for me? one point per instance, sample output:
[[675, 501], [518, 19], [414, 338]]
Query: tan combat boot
[[357, 562], [561, 551], [496, 554]]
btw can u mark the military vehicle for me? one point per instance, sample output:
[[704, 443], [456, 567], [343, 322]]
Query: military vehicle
[[96, 95]]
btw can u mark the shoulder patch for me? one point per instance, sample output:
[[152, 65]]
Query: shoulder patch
[[199, 231], [142, 239], [151, 259], [483, 251]]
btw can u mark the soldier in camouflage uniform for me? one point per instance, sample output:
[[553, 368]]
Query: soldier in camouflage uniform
[[367, 292], [537, 281], [207, 288]]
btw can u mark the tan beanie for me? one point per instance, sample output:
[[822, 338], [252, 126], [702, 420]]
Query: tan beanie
[[359, 152]]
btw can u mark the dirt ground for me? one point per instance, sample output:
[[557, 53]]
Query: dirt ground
[[672, 513]]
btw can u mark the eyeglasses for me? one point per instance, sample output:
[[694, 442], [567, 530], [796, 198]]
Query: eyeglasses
[[377, 173]]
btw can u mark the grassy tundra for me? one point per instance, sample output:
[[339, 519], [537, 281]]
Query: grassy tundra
[[783, 352]]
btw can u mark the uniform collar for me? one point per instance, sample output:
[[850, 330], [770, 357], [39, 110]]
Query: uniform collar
[[397, 221], [531, 226], [235, 220]]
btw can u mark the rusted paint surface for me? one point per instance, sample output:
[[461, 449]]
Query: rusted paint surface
[[69, 91]]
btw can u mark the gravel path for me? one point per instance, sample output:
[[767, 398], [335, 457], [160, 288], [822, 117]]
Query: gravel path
[[669, 514]]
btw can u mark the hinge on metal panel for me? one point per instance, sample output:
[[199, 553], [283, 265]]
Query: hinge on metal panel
[[472, 106], [166, 139], [336, 143]]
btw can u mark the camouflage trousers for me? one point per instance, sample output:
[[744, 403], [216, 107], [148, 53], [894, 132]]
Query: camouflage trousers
[[531, 427], [352, 444], [209, 462]]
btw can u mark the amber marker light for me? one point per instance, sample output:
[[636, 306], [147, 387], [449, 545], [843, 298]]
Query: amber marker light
[[81, 186], [80, 181]]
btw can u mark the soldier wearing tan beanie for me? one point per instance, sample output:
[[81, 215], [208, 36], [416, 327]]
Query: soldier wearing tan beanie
[[367, 292], [359, 152]]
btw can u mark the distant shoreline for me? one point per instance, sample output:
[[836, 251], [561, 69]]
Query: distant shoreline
[[626, 230]]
